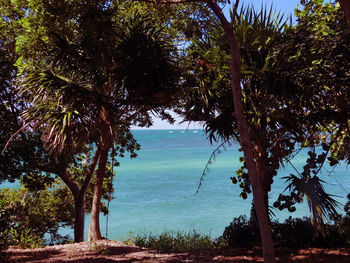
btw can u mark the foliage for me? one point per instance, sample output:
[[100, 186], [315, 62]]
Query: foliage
[[25, 239], [318, 50], [240, 233], [25, 154], [175, 241], [4, 225], [292, 233], [31, 216], [274, 129], [79, 72]]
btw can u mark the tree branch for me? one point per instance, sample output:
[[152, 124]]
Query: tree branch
[[234, 13], [91, 171], [218, 12], [13, 136], [68, 180]]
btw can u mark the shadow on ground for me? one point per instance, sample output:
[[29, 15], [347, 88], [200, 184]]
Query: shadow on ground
[[126, 254]]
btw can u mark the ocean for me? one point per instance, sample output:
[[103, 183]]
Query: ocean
[[156, 192]]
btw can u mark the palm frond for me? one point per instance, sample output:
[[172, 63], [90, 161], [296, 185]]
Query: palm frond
[[322, 205]]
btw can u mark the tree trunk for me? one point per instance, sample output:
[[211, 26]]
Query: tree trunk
[[79, 223], [345, 5], [94, 229], [79, 197], [243, 129], [105, 143]]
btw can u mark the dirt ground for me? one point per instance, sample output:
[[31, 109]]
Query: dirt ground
[[114, 251]]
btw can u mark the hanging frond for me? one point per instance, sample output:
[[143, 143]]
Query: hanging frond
[[322, 205], [211, 158]]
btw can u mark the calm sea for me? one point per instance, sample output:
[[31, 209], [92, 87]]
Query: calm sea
[[156, 191]]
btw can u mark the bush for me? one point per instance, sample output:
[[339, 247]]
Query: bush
[[293, 233], [25, 239], [240, 233], [27, 216], [175, 241]]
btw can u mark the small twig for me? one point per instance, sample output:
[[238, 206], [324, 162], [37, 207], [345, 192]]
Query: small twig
[[288, 161], [12, 137]]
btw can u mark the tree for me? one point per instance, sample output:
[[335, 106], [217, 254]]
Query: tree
[[319, 55], [242, 125], [209, 92], [273, 108], [89, 79], [32, 214], [345, 5]]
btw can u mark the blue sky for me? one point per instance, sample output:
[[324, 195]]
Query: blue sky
[[285, 6]]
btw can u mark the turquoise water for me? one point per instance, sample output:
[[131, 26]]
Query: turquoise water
[[156, 191]]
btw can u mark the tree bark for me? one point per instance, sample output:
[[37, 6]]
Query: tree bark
[[79, 224], [245, 140], [243, 128], [345, 5], [106, 142], [94, 228], [79, 197]]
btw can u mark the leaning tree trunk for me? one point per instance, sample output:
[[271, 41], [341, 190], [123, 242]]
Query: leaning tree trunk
[[345, 5], [94, 229], [106, 141], [243, 129]]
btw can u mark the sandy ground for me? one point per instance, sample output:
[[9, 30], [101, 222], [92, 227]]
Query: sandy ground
[[114, 251]]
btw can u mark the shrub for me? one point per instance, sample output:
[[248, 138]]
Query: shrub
[[293, 233], [175, 241], [26, 217], [25, 239], [240, 233]]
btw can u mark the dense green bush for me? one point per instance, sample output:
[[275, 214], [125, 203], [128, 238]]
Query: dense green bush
[[32, 218], [175, 241], [293, 233], [240, 233]]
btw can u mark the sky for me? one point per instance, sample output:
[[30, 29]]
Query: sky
[[284, 6]]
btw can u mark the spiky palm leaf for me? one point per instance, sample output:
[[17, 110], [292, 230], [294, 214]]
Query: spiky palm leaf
[[210, 97], [322, 205], [147, 67], [94, 64]]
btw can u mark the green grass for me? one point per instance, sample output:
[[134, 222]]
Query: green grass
[[174, 241]]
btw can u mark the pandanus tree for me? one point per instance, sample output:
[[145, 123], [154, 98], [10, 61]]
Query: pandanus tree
[[272, 105], [90, 74], [264, 100]]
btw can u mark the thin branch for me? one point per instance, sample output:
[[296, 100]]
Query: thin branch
[[219, 13], [234, 13], [209, 162], [91, 171], [12, 137], [288, 161]]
